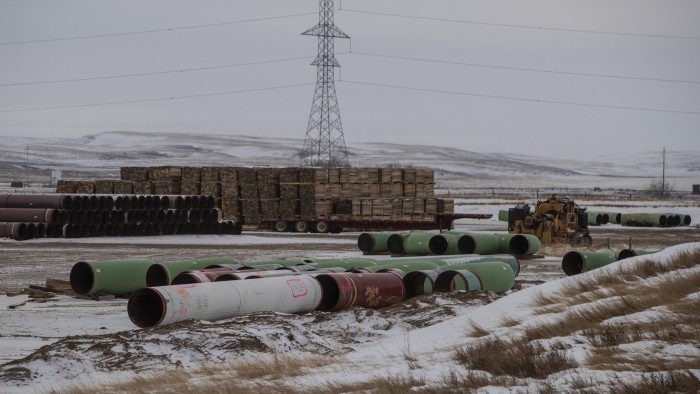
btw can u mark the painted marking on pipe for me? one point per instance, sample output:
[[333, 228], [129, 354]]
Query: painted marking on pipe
[[298, 287]]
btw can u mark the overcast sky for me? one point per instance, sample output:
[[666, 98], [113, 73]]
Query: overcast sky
[[624, 76]]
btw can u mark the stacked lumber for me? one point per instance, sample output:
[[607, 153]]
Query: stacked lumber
[[254, 195]]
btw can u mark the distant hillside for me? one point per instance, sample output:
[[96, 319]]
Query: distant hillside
[[102, 154]]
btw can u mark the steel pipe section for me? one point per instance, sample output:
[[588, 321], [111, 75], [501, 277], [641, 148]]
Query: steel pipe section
[[627, 253], [495, 276], [419, 282], [347, 264], [452, 280], [153, 306], [14, 230], [162, 274], [116, 277], [518, 244], [56, 201], [373, 242], [345, 290], [203, 276], [405, 266], [30, 215], [475, 243], [595, 219], [576, 262]]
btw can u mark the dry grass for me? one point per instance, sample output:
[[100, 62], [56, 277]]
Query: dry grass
[[476, 331], [508, 321], [521, 359], [663, 382], [254, 376]]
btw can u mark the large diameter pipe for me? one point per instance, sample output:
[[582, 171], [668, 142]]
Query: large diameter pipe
[[444, 243], [419, 282], [369, 290], [348, 264], [153, 306], [511, 260], [57, 201], [373, 242], [395, 243], [475, 243], [495, 276], [162, 274], [518, 244], [203, 275], [685, 220], [14, 230], [503, 215], [29, 215], [595, 218], [116, 277], [627, 253], [614, 217], [457, 279], [576, 262], [405, 266], [283, 262]]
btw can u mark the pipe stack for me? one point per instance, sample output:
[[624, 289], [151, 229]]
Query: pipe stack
[[655, 219], [28, 216], [287, 291], [420, 243]]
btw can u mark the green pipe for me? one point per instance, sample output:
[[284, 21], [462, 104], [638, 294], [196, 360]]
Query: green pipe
[[116, 277], [452, 280], [343, 263], [627, 253], [685, 220], [518, 244], [418, 243], [475, 243], [282, 262], [503, 215], [595, 218], [444, 243], [405, 266], [614, 217], [576, 262], [419, 282], [161, 274], [374, 242], [458, 260], [395, 243], [495, 276]]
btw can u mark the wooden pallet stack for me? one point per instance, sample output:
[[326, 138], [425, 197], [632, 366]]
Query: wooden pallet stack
[[263, 193]]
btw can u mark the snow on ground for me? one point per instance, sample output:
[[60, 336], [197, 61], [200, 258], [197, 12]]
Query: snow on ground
[[100, 345]]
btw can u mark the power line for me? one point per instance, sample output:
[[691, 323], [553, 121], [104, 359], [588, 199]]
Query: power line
[[523, 98], [522, 26], [156, 72], [527, 69], [155, 30], [157, 99]]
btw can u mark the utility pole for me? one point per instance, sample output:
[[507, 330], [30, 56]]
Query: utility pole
[[663, 172], [26, 169], [324, 144]]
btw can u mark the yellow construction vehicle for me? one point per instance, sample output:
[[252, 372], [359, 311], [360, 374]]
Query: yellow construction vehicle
[[555, 220]]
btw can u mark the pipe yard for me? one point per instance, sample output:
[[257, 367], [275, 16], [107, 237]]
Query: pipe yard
[[53, 288]]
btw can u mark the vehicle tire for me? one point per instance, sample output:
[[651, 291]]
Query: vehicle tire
[[335, 229], [280, 226], [322, 227], [301, 227]]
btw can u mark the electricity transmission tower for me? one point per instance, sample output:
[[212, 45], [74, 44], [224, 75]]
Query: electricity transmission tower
[[324, 144]]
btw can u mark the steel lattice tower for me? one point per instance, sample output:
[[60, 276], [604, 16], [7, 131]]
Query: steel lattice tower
[[324, 144]]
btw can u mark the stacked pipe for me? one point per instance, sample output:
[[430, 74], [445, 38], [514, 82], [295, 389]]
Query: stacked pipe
[[655, 219], [28, 216], [308, 288], [447, 243]]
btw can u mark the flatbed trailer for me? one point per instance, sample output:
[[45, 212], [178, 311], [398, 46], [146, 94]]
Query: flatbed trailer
[[336, 224]]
